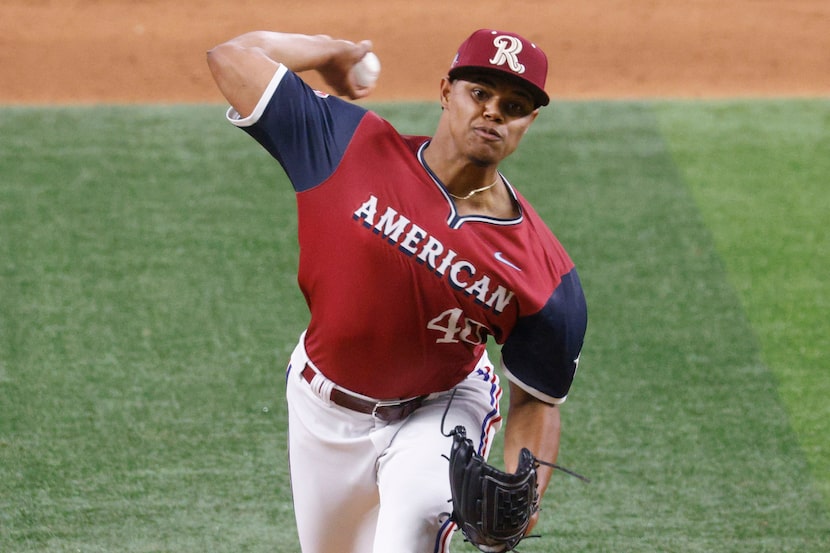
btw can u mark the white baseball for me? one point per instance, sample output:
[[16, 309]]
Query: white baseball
[[366, 71]]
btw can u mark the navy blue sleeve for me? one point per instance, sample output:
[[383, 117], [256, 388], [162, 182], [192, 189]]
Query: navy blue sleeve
[[306, 131], [542, 352]]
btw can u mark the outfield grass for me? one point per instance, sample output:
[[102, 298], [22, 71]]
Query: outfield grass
[[759, 173], [148, 305]]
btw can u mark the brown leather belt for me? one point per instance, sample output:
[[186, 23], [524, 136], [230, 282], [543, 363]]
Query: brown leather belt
[[387, 411]]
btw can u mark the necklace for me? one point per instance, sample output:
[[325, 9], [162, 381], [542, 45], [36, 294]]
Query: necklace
[[476, 191]]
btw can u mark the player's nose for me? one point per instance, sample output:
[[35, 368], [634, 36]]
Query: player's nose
[[492, 109]]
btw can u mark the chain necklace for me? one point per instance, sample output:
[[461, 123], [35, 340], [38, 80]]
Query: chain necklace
[[476, 191]]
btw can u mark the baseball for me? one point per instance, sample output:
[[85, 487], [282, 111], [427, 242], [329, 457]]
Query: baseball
[[366, 71]]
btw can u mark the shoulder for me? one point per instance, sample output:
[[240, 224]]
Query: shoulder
[[541, 353]]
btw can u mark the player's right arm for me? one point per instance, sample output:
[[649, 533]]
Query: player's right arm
[[244, 66]]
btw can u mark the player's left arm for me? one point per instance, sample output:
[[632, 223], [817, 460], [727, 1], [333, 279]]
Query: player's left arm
[[533, 424], [540, 359]]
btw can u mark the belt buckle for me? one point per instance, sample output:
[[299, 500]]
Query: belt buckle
[[387, 405]]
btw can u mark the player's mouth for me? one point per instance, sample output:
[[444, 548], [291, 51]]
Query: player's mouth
[[487, 133]]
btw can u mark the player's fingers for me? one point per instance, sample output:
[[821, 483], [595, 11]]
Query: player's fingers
[[356, 91], [359, 92], [364, 47]]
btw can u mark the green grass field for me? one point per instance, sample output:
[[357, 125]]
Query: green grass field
[[148, 304]]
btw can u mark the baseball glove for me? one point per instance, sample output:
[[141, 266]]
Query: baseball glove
[[491, 507]]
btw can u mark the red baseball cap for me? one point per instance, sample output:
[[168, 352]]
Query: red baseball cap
[[503, 53]]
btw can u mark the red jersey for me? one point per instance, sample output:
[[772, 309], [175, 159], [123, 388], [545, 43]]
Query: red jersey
[[403, 291]]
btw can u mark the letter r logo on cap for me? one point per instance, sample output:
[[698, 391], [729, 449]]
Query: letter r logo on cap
[[507, 51]]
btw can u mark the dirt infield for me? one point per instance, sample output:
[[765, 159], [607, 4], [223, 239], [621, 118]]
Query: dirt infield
[[70, 51]]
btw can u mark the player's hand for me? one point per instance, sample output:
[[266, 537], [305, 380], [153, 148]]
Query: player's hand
[[337, 73]]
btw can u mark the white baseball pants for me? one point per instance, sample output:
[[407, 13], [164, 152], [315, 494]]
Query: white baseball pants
[[361, 485]]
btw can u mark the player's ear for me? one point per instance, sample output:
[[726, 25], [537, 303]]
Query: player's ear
[[445, 89]]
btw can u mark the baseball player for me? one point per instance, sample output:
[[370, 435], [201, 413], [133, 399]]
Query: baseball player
[[413, 252]]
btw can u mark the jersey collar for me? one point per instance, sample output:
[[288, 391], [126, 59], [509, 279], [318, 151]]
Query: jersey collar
[[455, 220]]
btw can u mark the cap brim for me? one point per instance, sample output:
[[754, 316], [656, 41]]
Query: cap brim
[[540, 97]]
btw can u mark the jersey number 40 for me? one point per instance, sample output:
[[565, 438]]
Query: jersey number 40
[[455, 327]]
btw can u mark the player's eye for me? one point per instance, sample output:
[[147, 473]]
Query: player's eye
[[517, 109], [480, 94]]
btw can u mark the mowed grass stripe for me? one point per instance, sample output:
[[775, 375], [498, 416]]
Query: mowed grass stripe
[[759, 172]]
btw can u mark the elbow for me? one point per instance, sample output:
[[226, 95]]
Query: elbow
[[214, 55], [211, 57], [219, 59]]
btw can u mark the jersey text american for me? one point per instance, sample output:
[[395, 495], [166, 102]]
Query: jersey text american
[[413, 240]]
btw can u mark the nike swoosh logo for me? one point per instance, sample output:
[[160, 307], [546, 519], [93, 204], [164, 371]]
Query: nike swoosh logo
[[500, 257]]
